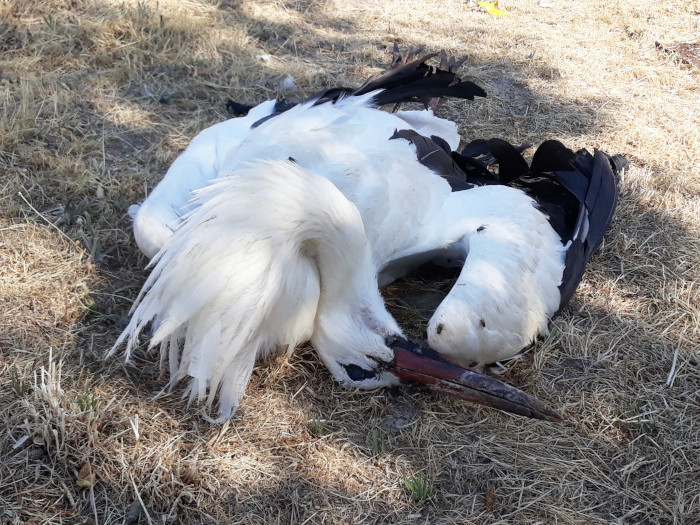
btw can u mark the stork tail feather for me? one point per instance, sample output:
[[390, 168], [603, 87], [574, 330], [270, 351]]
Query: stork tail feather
[[228, 288]]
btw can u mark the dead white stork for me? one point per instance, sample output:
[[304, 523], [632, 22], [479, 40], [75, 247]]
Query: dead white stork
[[276, 228]]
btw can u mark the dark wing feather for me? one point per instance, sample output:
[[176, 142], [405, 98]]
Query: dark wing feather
[[619, 163], [602, 206], [437, 84], [397, 75], [442, 143], [434, 153], [417, 81], [574, 267], [497, 151], [476, 148], [236, 109], [511, 164], [577, 192], [595, 214], [551, 156], [475, 171], [414, 81]]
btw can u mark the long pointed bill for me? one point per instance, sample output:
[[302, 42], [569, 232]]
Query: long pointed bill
[[420, 364]]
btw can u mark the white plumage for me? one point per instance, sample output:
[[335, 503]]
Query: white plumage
[[159, 215], [266, 234], [238, 284], [508, 288]]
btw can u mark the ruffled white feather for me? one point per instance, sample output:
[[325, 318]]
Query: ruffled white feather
[[290, 224], [240, 278]]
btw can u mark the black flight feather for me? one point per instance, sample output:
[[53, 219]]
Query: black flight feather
[[552, 155], [595, 214], [577, 192], [236, 109], [435, 154], [511, 164], [475, 171], [497, 151], [432, 86], [397, 75], [414, 81]]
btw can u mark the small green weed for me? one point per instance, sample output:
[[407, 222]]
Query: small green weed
[[419, 487], [379, 442], [87, 401], [317, 426], [50, 22], [88, 303]]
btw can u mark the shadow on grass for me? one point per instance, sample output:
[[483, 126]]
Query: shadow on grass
[[134, 123]]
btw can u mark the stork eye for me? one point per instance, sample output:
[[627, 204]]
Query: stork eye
[[357, 373]]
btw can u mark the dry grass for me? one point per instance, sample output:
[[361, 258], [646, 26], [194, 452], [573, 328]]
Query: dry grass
[[97, 98]]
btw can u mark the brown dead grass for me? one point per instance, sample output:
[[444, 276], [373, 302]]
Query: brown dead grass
[[98, 97]]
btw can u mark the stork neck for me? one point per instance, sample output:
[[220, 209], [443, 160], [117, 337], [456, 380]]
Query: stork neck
[[344, 258], [334, 236]]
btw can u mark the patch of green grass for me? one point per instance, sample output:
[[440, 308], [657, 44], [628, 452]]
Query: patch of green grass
[[632, 421], [50, 22], [87, 401], [317, 426], [379, 442], [90, 306], [419, 487], [88, 303]]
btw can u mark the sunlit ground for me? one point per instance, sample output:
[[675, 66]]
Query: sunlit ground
[[99, 97]]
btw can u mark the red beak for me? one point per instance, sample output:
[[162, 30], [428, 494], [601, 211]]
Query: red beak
[[420, 364]]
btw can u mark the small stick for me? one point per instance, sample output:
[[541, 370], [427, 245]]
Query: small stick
[[92, 493], [138, 497], [673, 368]]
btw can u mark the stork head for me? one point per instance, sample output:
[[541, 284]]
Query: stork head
[[367, 350]]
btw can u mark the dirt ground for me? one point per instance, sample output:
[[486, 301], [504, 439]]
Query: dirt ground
[[98, 97]]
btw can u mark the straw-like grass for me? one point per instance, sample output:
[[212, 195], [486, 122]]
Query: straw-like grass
[[97, 97]]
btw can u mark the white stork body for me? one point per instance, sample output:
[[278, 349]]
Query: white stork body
[[278, 227], [271, 255], [157, 217]]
